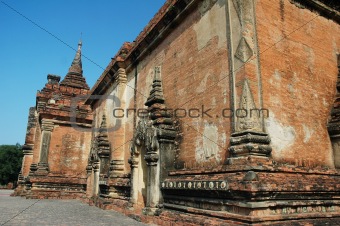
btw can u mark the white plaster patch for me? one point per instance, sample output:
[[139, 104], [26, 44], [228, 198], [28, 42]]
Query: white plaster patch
[[277, 75], [310, 58], [325, 103], [224, 96], [224, 138], [213, 102], [308, 133], [291, 88], [129, 91], [212, 24], [181, 92], [207, 146], [275, 100], [110, 105], [203, 84], [281, 136]]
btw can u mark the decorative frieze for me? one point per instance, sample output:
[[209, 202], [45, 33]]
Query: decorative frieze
[[195, 185], [305, 210]]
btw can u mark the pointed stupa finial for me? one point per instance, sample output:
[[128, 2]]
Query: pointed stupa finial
[[74, 77], [77, 58], [156, 93]]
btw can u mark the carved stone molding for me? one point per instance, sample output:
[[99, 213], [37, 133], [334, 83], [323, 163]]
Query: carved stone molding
[[117, 166], [33, 169], [47, 125], [27, 149], [120, 76], [195, 185]]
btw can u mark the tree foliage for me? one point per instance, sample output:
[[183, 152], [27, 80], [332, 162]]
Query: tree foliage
[[10, 163]]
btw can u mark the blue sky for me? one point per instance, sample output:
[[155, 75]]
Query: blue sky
[[28, 53]]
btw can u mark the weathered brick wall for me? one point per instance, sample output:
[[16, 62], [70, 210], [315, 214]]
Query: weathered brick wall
[[194, 70], [299, 70], [69, 150], [119, 136]]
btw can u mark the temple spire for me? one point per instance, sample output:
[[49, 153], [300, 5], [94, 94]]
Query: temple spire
[[77, 57], [76, 66], [74, 77]]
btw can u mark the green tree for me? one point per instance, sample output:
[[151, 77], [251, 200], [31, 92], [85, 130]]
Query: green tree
[[10, 163]]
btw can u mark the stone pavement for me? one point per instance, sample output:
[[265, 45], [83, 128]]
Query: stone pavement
[[21, 211]]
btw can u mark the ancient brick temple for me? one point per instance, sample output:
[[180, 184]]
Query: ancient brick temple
[[220, 112], [58, 138]]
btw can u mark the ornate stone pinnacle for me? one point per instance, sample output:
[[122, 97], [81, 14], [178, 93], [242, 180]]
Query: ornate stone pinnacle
[[156, 93], [104, 146], [77, 57], [74, 77]]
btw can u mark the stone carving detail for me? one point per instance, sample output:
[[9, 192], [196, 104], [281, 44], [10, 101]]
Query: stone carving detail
[[249, 138], [158, 126], [243, 9], [146, 135], [243, 51], [248, 116], [238, 8], [304, 210]]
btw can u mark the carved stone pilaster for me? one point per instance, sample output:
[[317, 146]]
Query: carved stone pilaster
[[134, 162], [117, 163], [96, 168], [333, 125], [249, 137], [47, 128]]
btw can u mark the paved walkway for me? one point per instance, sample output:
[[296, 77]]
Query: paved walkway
[[21, 211]]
